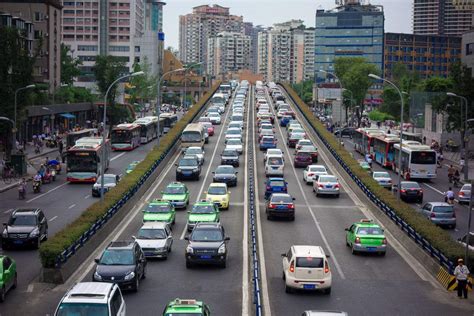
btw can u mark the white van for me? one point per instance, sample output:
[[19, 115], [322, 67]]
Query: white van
[[92, 298], [274, 165]]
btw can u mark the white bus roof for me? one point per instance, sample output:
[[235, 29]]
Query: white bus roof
[[89, 140], [413, 146]]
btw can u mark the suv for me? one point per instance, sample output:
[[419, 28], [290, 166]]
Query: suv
[[187, 307], [122, 262], [92, 299], [306, 268], [207, 244], [188, 167], [25, 227]]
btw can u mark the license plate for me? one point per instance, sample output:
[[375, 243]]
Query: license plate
[[275, 168], [186, 173], [309, 286], [281, 207], [149, 254], [206, 257], [371, 248], [328, 186], [422, 171], [18, 242]]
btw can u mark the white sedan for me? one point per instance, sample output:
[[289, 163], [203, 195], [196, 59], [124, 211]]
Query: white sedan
[[313, 170], [383, 178], [234, 144], [155, 239], [215, 118], [273, 152]]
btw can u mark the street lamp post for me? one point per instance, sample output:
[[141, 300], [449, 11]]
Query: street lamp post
[[401, 128], [464, 154], [102, 158], [16, 96], [352, 96], [342, 101]]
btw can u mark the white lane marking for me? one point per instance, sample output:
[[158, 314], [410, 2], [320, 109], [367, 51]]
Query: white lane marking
[[261, 254], [308, 205], [89, 263], [413, 263], [43, 194], [245, 231], [29, 289], [71, 206], [117, 157], [8, 211], [433, 188], [87, 196], [53, 218], [201, 189]]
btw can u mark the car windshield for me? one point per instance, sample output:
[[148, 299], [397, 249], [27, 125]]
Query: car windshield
[[117, 257], [274, 152], [153, 233], [304, 142], [268, 139], [275, 161], [277, 183], [369, 231], [203, 209], [317, 169], [83, 309], [215, 190], [157, 208], [236, 125], [108, 179], [410, 185], [234, 142], [229, 153], [443, 209], [327, 179], [193, 151], [225, 170], [22, 220], [174, 190], [214, 114], [188, 162], [233, 132], [381, 175], [206, 235], [297, 135], [309, 262], [281, 199], [303, 154]]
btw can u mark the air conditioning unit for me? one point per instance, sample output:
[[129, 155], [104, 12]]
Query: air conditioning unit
[[46, 34], [46, 16]]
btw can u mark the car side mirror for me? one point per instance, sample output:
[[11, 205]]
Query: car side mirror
[[227, 238], [186, 238], [213, 172], [205, 192], [294, 199], [328, 256], [236, 172], [346, 229], [283, 255], [229, 192], [134, 237], [176, 164], [97, 260]]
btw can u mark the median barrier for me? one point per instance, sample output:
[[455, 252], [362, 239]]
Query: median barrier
[[63, 253]]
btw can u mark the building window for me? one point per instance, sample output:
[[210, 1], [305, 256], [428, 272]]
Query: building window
[[38, 16], [469, 49], [137, 49]]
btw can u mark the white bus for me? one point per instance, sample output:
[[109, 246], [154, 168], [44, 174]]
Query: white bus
[[193, 135], [418, 161], [149, 128]]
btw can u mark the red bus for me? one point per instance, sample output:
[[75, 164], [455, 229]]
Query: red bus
[[364, 140], [83, 159], [126, 137], [384, 152]]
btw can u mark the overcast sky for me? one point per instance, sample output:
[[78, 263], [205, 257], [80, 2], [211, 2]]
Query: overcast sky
[[398, 13]]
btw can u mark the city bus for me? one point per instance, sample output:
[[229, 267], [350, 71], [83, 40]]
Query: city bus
[[72, 137], [363, 139], [170, 120], [410, 136], [384, 153], [149, 128], [83, 159], [125, 137], [418, 161], [193, 135]]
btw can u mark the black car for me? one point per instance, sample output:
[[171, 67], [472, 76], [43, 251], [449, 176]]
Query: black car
[[25, 227], [411, 191], [225, 174], [188, 167], [207, 244], [230, 157], [346, 131], [123, 263]]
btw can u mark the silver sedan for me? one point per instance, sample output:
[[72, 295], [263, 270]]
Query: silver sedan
[[326, 185]]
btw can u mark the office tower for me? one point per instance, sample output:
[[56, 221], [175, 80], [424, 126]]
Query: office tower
[[228, 52]]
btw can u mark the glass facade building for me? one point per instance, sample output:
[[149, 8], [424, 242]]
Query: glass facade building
[[350, 30]]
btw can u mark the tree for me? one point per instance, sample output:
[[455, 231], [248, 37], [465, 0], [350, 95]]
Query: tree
[[69, 65], [143, 88], [304, 89], [354, 75]]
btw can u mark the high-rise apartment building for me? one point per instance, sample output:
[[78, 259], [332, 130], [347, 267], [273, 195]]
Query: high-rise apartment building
[[440, 17], [286, 52], [203, 23], [252, 31], [228, 52], [350, 30], [467, 50], [129, 29], [46, 18]]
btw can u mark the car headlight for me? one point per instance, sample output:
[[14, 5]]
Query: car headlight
[[34, 233], [130, 276], [178, 169], [189, 249], [97, 276], [221, 249]]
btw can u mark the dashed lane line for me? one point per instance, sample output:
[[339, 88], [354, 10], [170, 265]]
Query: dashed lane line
[[53, 218], [43, 194]]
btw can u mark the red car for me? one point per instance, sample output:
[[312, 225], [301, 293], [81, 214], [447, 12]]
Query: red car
[[210, 128], [302, 159]]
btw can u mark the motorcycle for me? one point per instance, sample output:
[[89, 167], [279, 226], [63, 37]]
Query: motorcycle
[[37, 149], [36, 186], [456, 181], [47, 177], [22, 192], [55, 165], [53, 174]]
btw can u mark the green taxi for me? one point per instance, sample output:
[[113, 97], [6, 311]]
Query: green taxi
[[132, 166], [159, 211], [8, 276], [366, 236], [364, 165], [176, 193], [203, 212], [186, 307]]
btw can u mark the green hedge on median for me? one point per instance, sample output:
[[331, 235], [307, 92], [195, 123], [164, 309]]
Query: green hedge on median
[[52, 248], [435, 235]]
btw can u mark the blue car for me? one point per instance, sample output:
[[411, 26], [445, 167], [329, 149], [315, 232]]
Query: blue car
[[275, 185], [267, 142], [285, 119]]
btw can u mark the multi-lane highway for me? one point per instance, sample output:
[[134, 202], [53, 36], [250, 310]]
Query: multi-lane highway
[[362, 285]]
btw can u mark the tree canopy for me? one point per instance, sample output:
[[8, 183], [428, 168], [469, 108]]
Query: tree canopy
[[69, 65]]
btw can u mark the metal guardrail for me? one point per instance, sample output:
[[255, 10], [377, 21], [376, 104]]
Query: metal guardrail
[[72, 249], [257, 299], [419, 239]]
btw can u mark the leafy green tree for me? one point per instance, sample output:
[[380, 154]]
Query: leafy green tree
[[143, 88], [304, 90], [69, 65]]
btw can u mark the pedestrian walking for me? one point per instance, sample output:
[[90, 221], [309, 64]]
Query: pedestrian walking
[[461, 272]]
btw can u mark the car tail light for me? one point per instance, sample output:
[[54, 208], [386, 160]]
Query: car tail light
[[310, 174], [432, 215], [321, 186], [292, 267], [326, 267], [271, 205], [403, 190], [384, 241], [337, 186], [291, 206], [357, 240], [461, 193]]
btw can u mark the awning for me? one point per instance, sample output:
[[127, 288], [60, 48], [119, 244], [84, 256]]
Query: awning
[[68, 115]]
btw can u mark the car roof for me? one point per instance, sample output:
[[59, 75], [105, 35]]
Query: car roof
[[307, 250], [208, 225], [276, 179], [154, 225], [176, 184], [121, 244], [97, 292], [281, 195], [439, 204], [26, 211], [216, 184]]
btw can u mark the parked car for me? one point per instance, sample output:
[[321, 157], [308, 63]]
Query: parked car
[[280, 205], [275, 185], [8, 275], [110, 182], [155, 239], [207, 244], [313, 170], [439, 213], [25, 227], [326, 185]]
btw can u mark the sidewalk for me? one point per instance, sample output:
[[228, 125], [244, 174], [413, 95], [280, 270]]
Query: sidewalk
[[453, 158], [31, 156]]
